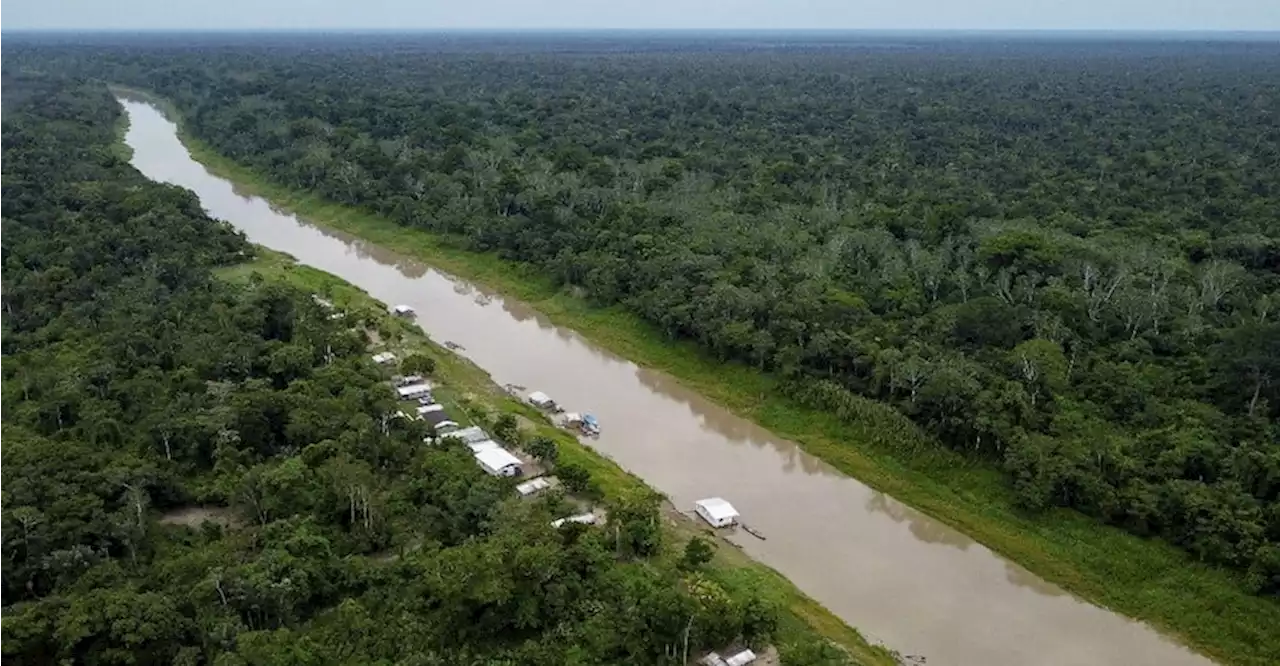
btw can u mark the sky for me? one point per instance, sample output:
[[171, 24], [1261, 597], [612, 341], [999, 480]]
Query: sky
[[643, 14]]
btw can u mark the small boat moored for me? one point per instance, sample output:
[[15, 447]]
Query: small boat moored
[[590, 426], [403, 311], [584, 423]]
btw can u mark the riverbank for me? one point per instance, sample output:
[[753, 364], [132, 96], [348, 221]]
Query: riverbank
[[470, 389], [1139, 578]]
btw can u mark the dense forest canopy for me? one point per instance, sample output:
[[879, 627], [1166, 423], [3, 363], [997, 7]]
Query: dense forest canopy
[[1062, 258], [139, 383]]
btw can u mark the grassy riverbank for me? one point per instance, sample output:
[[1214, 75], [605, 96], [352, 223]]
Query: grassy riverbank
[[1145, 579], [468, 389]]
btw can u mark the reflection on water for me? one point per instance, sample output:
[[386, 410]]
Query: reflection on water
[[901, 577], [922, 527]]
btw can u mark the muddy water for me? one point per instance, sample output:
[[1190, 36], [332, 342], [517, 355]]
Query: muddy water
[[902, 578]]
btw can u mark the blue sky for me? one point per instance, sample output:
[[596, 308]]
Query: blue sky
[[689, 14]]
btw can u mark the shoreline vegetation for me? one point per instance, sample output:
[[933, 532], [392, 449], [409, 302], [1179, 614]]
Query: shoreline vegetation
[[206, 465], [802, 619], [467, 388], [1146, 579]]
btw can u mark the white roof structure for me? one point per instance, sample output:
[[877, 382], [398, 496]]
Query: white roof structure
[[584, 518], [496, 460], [741, 659], [427, 409], [483, 445], [383, 357], [717, 509], [471, 434], [402, 310], [533, 485], [540, 399], [413, 391]]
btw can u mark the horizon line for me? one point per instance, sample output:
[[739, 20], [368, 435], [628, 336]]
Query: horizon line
[[811, 30]]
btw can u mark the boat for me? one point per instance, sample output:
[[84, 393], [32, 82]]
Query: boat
[[403, 311], [590, 426], [752, 531]]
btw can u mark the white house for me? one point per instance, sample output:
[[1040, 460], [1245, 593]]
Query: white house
[[471, 435], [498, 462], [383, 358], [402, 311], [427, 409], [533, 485], [414, 391], [741, 659], [583, 518], [541, 400], [716, 511], [482, 445]]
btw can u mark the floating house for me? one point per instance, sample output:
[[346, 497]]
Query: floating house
[[541, 400], [585, 423], [403, 311], [499, 462], [716, 511]]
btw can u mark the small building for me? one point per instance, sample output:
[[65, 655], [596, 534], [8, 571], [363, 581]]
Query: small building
[[477, 447], [716, 511], [427, 409], [471, 435], [439, 421], [322, 302], [499, 462], [533, 486], [383, 358], [742, 658], [409, 380], [582, 519], [413, 391], [541, 400], [403, 311]]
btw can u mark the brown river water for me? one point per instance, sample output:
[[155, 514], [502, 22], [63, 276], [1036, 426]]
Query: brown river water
[[901, 577]]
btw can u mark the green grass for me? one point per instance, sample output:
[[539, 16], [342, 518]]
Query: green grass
[[1205, 607], [467, 389]]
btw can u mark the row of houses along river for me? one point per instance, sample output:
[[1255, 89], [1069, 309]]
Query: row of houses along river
[[904, 579]]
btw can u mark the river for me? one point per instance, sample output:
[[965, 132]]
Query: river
[[902, 578]]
